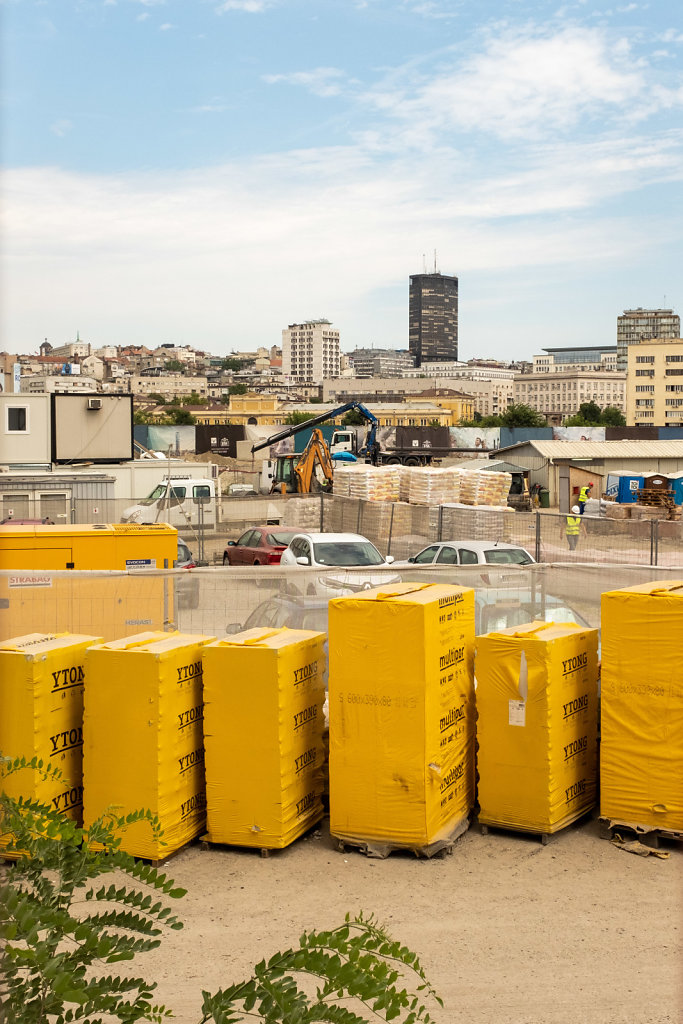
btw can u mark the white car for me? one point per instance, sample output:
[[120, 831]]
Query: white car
[[472, 552], [321, 551]]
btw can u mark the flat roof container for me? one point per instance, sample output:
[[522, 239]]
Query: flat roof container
[[118, 546]]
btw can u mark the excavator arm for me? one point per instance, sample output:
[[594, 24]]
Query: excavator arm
[[316, 453]]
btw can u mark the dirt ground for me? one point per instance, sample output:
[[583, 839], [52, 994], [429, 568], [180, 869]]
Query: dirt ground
[[509, 931]]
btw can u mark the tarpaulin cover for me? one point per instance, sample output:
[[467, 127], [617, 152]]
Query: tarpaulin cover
[[143, 740], [41, 715], [641, 769], [537, 705], [401, 695], [263, 734]]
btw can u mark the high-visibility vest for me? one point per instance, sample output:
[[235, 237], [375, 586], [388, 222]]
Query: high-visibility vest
[[573, 525], [583, 494]]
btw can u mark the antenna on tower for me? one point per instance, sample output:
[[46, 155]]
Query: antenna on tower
[[435, 270], [424, 263]]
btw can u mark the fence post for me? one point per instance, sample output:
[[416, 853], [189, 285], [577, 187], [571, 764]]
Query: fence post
[[653, 541], [537, 549], [322, 513], [440, 527], [359, 519], [391, 528]]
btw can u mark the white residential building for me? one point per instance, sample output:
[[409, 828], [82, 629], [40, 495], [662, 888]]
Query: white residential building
[[310, 352], [559, 395]]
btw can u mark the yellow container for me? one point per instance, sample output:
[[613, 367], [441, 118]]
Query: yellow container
[[401, 696], [641, 753], [537, 713], [143, 740], [263, 735], [118, 546], [41, 715]]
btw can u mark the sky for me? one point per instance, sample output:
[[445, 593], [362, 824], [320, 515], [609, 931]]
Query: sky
[[206, 172]]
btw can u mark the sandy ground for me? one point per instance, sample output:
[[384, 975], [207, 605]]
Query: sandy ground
[[509, 931]]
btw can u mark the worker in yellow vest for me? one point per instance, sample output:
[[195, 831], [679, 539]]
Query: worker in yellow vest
[[584, 495], [573, 528]]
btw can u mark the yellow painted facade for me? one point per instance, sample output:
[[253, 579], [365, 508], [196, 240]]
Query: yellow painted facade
[[654, 383]]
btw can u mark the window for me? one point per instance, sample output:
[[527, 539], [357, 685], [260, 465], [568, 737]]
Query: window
[[16, 419], [468, 557], [645, 359]]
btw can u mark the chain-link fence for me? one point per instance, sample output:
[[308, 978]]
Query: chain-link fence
[[213, 601]]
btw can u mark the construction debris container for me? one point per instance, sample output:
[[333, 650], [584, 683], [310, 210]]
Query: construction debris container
[[263, 736], [641, 757], [41, 715], [143, 739], [537, 708], [401, 695]]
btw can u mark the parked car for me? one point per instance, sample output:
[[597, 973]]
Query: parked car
[[337, 550], [187, 590], [27, 522], [260, 545], [472, 552]]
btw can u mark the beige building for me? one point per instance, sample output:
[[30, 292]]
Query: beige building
[[578, 359], [491, 397], [267, 411], [168, 385], [559, 395], [654, 383], [310, 352]]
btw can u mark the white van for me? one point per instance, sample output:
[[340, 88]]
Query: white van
[[180, 501]]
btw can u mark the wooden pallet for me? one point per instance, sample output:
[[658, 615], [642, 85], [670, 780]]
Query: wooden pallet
[[608, 828], [376, 848], [485, 827]]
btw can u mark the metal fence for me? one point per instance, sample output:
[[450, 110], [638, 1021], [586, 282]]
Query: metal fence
[[213, 601]]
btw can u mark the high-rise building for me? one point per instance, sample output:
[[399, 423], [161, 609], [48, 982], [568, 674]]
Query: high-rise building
[[642, 324], [380, 362], [654, 383], [433, 318], [310, 352]]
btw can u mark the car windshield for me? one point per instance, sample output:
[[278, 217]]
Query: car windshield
[[508, 556], [157, 493], [358, 552], [281, 538]]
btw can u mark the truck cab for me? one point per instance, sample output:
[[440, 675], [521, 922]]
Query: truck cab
[[180, 501], [343, 441]]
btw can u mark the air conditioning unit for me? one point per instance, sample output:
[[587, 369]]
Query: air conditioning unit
[[94, 403]]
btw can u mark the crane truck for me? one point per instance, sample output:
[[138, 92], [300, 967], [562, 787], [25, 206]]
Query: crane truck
[[313, 468]]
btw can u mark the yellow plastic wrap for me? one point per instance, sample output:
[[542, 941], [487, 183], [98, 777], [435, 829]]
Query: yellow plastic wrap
[[263, 735], [537, 712], [143, 739], [641, 756], [401, 697], [41, 715]]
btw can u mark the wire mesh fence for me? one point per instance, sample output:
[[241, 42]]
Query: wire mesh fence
[[216, 601]]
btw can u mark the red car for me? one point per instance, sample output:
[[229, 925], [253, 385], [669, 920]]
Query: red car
[[261, 545]]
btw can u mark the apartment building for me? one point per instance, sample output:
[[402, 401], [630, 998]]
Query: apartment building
[[636, 325], [433, 317], [654, 383], [577, 359], [169, 385], [559, 395], [380, 362], [310, 352]]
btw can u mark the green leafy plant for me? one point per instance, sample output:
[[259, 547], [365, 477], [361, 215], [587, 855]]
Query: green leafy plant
[[356, 973], [59, 931]]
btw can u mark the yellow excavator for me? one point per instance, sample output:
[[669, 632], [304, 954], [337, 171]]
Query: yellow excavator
[[310, 471]]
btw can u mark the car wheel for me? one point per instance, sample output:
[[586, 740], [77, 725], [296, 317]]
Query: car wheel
[[257, 562], [226, 560]]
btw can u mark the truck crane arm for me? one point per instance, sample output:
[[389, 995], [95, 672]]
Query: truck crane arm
[[316, 420]]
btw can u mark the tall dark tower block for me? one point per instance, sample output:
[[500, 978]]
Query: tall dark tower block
[[433, 318]]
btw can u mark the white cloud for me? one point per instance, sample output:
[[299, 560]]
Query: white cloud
[[319, 81], [61, 127], [166, 27], [248, 6]]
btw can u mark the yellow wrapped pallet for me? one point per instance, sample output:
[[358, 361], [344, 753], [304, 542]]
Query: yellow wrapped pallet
[[537, 713], [263, 735], [401, 694], [641, 757], [41, 715], [143, 740]]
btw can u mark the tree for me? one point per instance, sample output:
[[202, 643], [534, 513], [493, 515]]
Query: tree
[[181, 417], [522, 416], [231, 364], [174, 365], [237, 389], [59, 930], [434, 423], [194, 398], [353, 418], [590, 413], [612, 417], [158, 398], [293, 418]]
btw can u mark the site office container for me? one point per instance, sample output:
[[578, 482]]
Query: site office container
[[38, 591], [117, 546]]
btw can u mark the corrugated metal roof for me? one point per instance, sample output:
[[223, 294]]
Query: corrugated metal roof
[[603, 449]]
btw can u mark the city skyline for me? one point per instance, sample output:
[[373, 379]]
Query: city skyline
[[171, 165]]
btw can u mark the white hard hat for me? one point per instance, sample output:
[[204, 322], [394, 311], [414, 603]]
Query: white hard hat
[[576, 510]]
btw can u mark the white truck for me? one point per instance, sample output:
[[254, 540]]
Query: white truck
[[188, 503]]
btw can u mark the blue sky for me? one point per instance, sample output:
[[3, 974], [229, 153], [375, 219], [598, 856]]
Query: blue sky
[[206, 172]]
